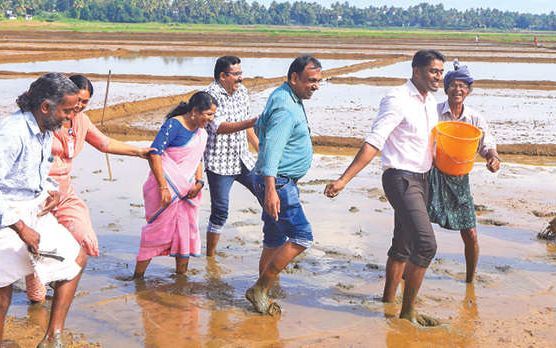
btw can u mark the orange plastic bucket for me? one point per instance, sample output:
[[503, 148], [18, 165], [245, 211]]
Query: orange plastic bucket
[[456, 147]]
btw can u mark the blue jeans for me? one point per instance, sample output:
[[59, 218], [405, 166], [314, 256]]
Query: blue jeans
[[292, 225], [220, 186]]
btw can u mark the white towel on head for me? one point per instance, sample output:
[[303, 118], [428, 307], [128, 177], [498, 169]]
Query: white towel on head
[[15, 260]]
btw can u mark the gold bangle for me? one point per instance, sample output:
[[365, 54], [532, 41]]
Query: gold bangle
[[163, 188]]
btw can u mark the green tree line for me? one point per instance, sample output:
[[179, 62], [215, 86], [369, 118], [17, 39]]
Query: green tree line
[[338, 14]]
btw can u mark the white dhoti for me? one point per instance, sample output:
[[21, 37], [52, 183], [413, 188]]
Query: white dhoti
[[16, 261]]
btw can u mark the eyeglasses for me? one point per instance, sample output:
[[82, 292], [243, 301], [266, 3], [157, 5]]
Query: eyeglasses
[[456, 86], [233, 73]]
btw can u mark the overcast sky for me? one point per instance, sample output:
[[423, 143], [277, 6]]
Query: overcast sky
[[530, 6]]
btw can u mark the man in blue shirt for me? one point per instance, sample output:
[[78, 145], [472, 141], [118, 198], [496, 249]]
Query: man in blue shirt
[[31, 240], [285, 154]]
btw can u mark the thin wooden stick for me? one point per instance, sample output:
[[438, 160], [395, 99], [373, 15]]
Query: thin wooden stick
[[102, 123], [105, 97]]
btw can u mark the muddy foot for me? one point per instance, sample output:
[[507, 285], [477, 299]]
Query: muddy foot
[[274, 309], [427, 321], [421, 320], [259, 299], [52, 342]]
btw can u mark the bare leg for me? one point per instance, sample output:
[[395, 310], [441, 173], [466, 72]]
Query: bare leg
[[212, 242], [394, 272], [266, 256], [258, 293], [413, 280], [36, 291], [140, 268], [5, 300], [182, 263], [471, 243], [63, 297]]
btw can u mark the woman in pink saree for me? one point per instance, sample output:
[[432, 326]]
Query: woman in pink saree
[[68, 141], [172, 192]]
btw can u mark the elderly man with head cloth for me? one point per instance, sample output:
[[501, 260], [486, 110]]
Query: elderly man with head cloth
[[31, 240], [450, 202]]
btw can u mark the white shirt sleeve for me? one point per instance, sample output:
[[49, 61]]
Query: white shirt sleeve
[[389, 116]]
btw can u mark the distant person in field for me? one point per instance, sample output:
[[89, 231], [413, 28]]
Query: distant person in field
[[67, 143], [227, 156], [450, 201], [285, 156], [402, 133]]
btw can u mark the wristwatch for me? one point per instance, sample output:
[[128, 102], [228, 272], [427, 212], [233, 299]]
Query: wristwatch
[[199, 181]]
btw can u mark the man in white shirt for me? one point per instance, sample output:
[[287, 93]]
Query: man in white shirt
[[31, 239], [402, 132]]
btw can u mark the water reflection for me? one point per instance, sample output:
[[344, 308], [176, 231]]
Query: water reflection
[[185, 313]]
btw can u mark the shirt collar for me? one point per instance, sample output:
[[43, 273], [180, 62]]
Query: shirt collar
[[223, 91], [294, 96], [413, 91], [32, 123], [446, 110]]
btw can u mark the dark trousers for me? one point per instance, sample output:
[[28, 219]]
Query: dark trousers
[[414, 238]]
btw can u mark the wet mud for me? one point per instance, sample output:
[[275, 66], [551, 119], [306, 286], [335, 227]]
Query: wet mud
[[330, 295]]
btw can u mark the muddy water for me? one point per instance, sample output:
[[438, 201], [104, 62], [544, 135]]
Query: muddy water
[[329, 295], [479, 70], [166, 66]]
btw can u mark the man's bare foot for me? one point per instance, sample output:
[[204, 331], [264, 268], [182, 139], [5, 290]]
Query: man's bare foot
[[420, 319], [259, 299], [54, 341]]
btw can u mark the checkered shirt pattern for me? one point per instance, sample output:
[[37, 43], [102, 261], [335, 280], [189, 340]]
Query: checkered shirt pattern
[[225, 152]]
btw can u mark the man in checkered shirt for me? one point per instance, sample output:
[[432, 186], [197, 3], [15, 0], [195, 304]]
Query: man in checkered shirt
[[227, 157]]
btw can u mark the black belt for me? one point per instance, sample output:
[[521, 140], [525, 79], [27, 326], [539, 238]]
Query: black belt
[[422, 176]]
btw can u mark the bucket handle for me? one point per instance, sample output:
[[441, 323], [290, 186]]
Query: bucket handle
[[453, 159]]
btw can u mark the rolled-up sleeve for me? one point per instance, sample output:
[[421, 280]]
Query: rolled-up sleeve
[[9, 150], [279, 127], [389, 117]]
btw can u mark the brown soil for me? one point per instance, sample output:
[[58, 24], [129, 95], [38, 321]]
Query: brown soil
[[26, 333]]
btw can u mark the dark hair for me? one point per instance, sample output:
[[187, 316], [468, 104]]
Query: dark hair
[[51, 87], [423, 58], [201, 101], [223, 64], [82, 83], [299, 64]]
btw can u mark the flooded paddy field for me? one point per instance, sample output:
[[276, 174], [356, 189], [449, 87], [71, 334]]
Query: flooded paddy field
[[331, 294], [165, 66], [479, 70], [515, 116]]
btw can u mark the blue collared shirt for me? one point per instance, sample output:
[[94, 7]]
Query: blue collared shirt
[[25, 162], [285, 147]]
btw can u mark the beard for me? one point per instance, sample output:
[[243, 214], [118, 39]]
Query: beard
[[50, 121]]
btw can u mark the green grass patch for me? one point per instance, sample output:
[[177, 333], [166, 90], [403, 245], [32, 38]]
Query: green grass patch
[[377, 33]]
